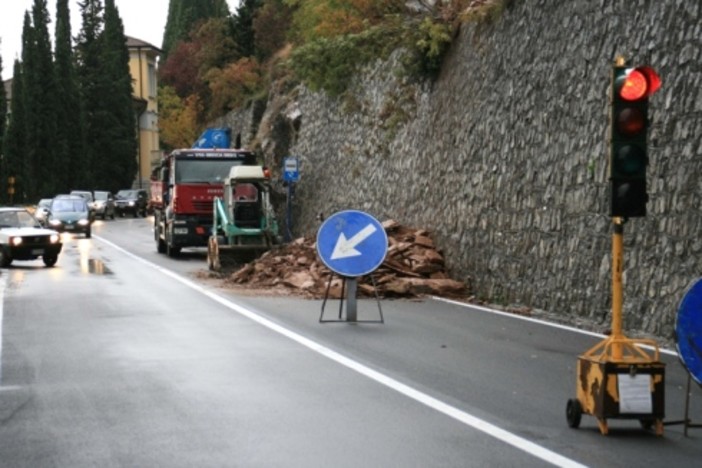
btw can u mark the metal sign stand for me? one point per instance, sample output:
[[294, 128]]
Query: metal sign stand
[[686, 422], [288, 212], [351, 303]]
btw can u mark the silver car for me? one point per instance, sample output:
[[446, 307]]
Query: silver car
[[104, 204]]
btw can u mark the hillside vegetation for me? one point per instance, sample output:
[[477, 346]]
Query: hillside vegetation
[[216, 62]]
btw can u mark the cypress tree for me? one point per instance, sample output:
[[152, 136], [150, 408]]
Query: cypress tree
[[243, 30], [3, 108], [68, 127], [15, 143], [91, 85], [117, 164], [25, 182], [40, 108]]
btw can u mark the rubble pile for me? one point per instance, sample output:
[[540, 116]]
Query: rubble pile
[[413, 267]]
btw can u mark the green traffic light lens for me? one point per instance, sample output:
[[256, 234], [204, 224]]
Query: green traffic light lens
[[631, 121], [630, 160]]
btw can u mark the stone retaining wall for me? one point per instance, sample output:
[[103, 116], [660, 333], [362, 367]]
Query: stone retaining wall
[[504, 157]]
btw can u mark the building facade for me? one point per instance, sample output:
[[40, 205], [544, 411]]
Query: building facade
[[143, 62]]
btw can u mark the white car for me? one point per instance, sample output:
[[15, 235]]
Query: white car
[[23, 238]]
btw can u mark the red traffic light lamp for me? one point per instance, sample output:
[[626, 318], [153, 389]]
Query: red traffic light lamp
[[637, 83]]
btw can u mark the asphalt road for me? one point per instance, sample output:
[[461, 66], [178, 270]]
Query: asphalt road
[[122, 357]]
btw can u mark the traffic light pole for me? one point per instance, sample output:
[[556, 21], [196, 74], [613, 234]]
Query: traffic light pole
[[617, 286], [620, 377]]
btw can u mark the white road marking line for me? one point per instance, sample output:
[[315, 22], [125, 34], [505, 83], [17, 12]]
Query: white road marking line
[[3, 284], [427, 400], [540, 322]]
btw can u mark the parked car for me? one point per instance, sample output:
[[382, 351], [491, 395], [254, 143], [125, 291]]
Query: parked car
[[104, 204], [70, 213], [88, 195], [132, 201], [23, 238], [41, 210]]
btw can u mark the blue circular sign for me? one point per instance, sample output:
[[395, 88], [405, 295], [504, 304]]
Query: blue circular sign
[[352, 243], [688, 331]]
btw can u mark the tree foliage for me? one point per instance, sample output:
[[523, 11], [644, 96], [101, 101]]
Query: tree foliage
[[271, 24], [3, 110], [68, 148], [183, 15], [72, 121], [15, 138], [314, 19], [177, 118], [232, 85]]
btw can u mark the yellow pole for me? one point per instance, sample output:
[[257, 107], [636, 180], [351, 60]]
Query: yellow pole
[[617, 289]]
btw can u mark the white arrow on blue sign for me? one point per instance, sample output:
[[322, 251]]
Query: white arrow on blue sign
[[352, 243]]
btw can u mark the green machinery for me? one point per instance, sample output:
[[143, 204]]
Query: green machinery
[[244, 220]]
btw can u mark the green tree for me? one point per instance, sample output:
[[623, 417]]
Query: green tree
[[3, 108], [40, 92], [68, 150], [116, 165], [92, 87], [183, 17], [15, 142], [243, 27]]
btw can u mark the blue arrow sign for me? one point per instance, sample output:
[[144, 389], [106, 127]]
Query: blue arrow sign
[[352, 243], [688, 331]]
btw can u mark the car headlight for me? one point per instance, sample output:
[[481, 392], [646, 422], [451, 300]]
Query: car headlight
[[55, 222], [16, 241], [131, 203], [54, 238], [83, 222]]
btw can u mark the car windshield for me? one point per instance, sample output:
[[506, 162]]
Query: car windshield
[[101, 196], [125, 194], [17, 219], [44, 203], [213, 171], [68, 205]]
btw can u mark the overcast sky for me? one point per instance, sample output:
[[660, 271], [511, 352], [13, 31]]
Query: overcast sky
[[143, 19]]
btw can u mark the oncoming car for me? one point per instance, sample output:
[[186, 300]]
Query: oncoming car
[[69, 213], [23, 238]]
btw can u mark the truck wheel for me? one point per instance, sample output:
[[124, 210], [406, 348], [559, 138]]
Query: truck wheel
[[172, 251], [160, 244]]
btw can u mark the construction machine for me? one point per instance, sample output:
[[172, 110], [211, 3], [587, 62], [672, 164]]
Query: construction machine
[[244, 224]]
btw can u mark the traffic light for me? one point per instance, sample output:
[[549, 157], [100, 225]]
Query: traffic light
[[631, 88]]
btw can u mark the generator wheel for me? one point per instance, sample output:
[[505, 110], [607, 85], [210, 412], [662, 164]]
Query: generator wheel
[[213, 262], [574, 413]]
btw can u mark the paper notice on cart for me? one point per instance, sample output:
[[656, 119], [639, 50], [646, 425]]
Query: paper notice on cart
[[634, 394]]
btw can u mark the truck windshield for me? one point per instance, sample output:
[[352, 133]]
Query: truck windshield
[[213, 171]]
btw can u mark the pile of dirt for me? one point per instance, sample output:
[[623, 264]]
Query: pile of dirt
[[413, 267]]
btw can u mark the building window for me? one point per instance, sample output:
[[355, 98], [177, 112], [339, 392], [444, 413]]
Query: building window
[[152, 80]]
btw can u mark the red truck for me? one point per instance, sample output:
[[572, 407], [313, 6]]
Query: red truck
[[182, 194]]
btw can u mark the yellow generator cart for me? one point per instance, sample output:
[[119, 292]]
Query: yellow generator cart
[[244, 221], [620, 379]]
